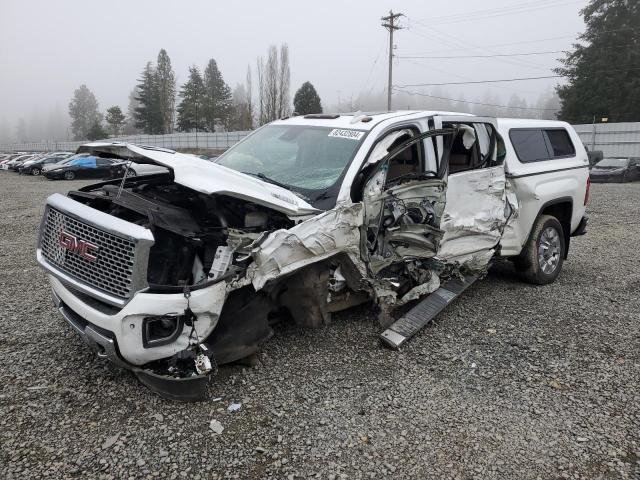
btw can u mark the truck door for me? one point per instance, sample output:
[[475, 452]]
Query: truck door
[[403, 196], [476, 209]]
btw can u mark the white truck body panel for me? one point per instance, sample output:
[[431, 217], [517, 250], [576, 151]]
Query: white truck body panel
[[539, 184], [486, 209]]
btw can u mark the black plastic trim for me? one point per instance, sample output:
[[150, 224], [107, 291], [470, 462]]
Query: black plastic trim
[[510, 175]]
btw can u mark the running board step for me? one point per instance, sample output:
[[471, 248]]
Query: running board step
[[419, 316]]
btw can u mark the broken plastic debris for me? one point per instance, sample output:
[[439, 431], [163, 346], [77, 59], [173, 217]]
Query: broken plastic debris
[[234, 407], [203, 364], [216, 427]]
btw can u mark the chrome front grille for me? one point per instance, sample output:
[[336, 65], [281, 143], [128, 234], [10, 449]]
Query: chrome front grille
[[113, 268]]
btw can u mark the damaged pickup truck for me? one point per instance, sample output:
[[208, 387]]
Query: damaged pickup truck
[[175, 273]]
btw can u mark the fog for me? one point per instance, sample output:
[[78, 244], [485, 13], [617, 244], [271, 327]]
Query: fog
[[48, 49]]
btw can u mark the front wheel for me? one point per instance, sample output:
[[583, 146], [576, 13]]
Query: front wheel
[[35, 172], [69, 175], [541, 260]]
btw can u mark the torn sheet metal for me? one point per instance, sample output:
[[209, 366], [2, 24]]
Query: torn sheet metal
[[402, 223], [476, 210], [311, 241]]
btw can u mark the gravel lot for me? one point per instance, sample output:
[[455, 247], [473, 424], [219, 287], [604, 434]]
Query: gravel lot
[[513, 381]]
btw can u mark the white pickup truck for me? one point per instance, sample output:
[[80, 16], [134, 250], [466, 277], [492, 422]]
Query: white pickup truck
[[174, 273]]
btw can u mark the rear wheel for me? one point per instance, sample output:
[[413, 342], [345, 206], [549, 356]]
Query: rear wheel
[[541, 260], [35, 171], [131, 173], [69, 175]]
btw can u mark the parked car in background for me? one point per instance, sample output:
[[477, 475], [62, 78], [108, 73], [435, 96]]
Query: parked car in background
[[84, 167], [133, 169], [34, 166], [594, 156], [624, 169], [65, 161], [17, 161]]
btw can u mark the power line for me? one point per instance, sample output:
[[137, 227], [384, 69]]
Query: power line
[[483, 56], [479, 81], [486, 14], [480, 47], [457, 40], [512, 79], [409, 92]]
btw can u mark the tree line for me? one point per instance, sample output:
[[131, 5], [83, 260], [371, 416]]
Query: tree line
[[204, 103]]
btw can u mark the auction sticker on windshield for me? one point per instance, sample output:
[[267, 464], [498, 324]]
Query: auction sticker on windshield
[[350, 134]]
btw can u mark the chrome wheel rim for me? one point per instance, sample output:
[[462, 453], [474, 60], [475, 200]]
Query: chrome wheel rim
[[549, 249]]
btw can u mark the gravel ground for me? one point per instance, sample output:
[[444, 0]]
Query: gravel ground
[[513, 381]]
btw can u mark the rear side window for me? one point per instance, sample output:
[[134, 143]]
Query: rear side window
[[530, 145], [535, 145], [560, 142]]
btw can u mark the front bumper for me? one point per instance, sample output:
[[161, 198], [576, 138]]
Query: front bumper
[[97, 339], [125, 326], [114, 339], [53, 175]]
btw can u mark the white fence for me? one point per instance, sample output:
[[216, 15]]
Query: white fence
[[614, 139], [173, 141]]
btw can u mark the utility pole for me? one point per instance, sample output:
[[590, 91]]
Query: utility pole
[[391, 25]]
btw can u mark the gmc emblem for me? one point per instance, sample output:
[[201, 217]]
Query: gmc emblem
[[86, 250]]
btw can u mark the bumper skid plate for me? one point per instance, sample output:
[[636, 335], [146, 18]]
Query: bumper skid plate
[[188, 389]]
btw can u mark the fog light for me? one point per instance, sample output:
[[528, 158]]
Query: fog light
[[161, 330]]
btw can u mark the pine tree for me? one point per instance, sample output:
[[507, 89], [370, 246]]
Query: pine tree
[[96, 132], [306, 100], [603, 76], [217, 97], [83, 110], [190, 109], [115, 119], [166, 91], [147, 113]]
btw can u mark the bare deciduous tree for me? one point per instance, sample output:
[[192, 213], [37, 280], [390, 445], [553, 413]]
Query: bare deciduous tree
[[249, 96], [273, 85], [284, 75]]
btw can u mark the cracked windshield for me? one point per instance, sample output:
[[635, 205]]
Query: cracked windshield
[[300, 157]]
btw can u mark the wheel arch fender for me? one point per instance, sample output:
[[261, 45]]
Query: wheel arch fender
[[562, 209]]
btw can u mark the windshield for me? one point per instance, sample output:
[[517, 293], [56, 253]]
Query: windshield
[[613, 162], [301, 157]]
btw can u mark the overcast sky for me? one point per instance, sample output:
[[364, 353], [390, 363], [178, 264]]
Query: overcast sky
[[48, 48]]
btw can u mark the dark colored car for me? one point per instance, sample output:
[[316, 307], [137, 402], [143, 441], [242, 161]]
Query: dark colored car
[[35, 167], [616, 170], [84, 167]]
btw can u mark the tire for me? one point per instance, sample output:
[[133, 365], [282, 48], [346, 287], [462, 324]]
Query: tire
[[131, 173], [35, 172], [69, 175], [541, 260]]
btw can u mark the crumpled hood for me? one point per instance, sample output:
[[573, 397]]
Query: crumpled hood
[[206, 177]]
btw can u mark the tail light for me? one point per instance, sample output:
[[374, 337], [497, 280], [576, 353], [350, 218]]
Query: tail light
[[586, 194]]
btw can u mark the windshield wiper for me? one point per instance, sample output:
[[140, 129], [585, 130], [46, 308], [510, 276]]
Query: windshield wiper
[[322, 195], [262, 176]]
